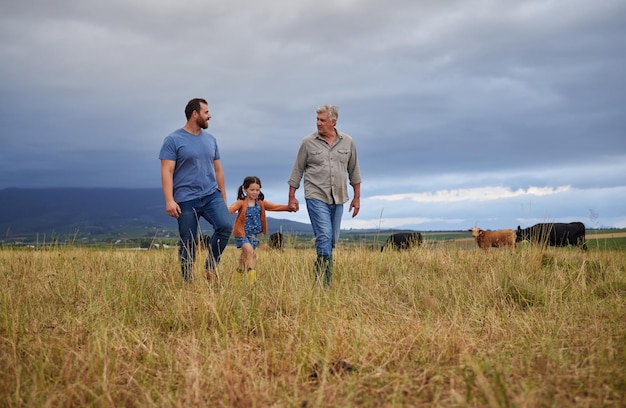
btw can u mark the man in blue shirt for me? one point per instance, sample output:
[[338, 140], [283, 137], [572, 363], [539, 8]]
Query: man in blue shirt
[[193, 186]]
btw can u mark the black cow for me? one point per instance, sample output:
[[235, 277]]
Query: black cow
[[403, 240], [276, 240], [554, 234]]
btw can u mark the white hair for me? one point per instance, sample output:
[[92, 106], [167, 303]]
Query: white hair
[[333, 111]]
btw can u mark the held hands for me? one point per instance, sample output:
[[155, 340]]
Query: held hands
[[293, 204]]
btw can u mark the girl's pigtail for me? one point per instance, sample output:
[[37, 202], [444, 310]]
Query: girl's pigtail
[[240, 194]]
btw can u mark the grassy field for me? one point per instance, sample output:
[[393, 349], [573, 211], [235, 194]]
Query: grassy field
[[439, 325]]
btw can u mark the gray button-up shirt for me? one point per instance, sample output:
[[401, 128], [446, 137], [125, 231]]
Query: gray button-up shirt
[[325, 168]]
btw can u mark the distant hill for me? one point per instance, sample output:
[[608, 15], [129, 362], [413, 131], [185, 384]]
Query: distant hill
[[99, 212]]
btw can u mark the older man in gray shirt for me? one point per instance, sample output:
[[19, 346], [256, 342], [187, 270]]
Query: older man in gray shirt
[[325, 158]]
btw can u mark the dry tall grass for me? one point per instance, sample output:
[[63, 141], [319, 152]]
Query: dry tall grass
[[431, 326]]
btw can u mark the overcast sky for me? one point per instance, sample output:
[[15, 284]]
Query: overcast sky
[[493, 113]]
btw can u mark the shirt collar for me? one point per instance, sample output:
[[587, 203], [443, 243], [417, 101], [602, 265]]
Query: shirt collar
[[339, 135]]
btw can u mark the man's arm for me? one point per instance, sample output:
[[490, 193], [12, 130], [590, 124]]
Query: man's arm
[[355, 204], [293, 203], [296, 177], [167, 183], [219, 177]]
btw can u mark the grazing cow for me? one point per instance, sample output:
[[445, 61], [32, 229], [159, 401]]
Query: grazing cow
[[403, 240], [276, 240], [554, 234], [496, 239]]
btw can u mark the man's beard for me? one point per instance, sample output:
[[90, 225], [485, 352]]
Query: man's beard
[[202, 123]]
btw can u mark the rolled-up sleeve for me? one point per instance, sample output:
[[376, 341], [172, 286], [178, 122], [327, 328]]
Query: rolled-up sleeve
[[299, 166]]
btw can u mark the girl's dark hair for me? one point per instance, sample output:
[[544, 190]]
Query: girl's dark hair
[[246, 183]]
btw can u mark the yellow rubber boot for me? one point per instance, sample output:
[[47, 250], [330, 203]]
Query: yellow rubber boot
[[252, 276]]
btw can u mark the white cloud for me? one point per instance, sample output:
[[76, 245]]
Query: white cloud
[[472, 194], [597, 207]]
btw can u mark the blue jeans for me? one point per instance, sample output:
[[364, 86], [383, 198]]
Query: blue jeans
[[213, 209], [326, 223]]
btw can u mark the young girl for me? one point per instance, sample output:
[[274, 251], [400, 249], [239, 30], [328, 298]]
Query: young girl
[[251, 220]]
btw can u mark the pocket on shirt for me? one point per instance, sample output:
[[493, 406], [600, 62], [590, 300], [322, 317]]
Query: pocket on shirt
[[317, 157], [344, 156]]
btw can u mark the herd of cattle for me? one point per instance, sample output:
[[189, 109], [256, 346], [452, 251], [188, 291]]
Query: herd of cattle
[[556, 234], [553, 234]]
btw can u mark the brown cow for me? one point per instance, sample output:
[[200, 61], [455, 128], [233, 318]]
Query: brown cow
[[497, 239]]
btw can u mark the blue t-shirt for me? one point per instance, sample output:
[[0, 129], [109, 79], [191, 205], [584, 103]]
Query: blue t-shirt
[[194, 174]]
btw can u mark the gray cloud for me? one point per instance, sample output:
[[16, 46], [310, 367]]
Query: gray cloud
[[439, 96]]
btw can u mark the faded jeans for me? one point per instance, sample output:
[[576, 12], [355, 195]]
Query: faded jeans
[[326, 223], [213, 209]]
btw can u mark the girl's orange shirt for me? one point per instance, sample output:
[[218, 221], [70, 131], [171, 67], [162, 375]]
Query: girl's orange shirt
[[241, 206]]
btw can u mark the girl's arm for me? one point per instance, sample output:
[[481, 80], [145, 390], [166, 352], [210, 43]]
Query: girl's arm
[[269, 206], [234, 207]]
